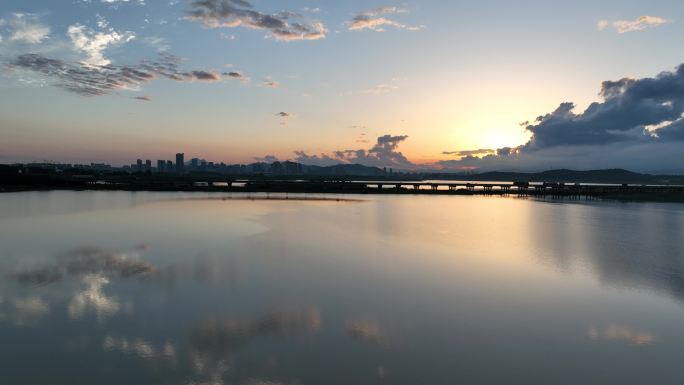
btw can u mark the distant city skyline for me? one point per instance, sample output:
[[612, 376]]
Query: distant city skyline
[[487, 85]]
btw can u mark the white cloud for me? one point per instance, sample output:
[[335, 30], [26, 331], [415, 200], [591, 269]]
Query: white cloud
[[94, 43], [639, 24], [374, 21], [602, 24], [27, 28]]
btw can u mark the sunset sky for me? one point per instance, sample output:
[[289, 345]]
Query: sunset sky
[[412, 84]]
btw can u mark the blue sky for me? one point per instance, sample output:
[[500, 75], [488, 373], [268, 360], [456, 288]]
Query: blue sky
[[435, 77]]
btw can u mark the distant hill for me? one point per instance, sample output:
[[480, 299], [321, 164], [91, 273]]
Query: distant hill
[[344, 170], [617, 176]]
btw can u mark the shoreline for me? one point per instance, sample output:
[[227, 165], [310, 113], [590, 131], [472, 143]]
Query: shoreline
[[654, 194]]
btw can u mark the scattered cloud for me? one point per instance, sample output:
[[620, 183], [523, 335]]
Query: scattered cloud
[[270, 83], [384, 153], [266, 159], [143, 98], [638, 24], [283, 26], [375, 20], [26, 28], [237, 75], [478, 152], [205, 76], [315, 160], [602, 25], [93, 43], [284, 116], [103, 80]]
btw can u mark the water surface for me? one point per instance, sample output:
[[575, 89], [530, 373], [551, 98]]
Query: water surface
[[172, 288]]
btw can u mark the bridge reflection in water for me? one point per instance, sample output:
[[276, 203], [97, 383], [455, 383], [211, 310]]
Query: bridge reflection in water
[[431, 187]]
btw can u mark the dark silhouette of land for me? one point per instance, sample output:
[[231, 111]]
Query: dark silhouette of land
[[610, 184]]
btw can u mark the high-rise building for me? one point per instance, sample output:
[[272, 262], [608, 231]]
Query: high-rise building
[[148, 165], [169, 166], [161, 165], [138, 165], [194, 163], [180, 162]]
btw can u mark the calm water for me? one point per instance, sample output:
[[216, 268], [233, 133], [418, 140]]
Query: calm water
[[146, 288]]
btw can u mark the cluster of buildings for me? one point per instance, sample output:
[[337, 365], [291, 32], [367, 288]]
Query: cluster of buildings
[[166, 166], [197, 165], [180, 166]]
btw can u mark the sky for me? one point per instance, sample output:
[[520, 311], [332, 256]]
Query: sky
[[415, 85]]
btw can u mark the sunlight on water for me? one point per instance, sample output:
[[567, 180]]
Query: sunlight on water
[[172, 288]]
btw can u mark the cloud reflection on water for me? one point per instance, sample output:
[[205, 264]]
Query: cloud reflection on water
[[227, 333], [92, 299], [84, 261], [366, 331], [618, 332]]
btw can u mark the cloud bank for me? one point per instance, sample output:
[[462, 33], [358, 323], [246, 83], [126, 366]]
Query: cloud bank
[[638, 124]]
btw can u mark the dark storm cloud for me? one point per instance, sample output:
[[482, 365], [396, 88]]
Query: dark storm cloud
[[672, 132], [629, 108], [234, 13], [638, 124], [103, 80]]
